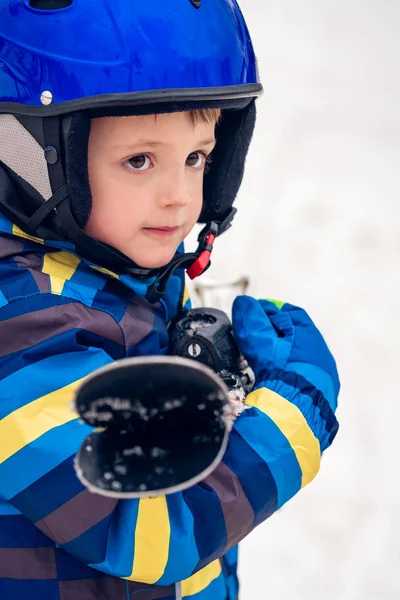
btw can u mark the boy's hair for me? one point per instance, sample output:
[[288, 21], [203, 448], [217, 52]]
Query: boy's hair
[[201, 115], [205, 115]]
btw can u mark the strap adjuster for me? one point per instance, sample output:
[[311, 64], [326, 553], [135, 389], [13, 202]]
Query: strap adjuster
[[206, 240], [203, 261]]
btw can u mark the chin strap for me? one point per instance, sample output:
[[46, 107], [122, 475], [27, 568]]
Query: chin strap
[[195, 263]]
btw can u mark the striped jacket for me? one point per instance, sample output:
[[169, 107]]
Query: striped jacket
[[60, 319]]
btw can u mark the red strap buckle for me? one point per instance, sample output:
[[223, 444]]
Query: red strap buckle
[[200, 265]]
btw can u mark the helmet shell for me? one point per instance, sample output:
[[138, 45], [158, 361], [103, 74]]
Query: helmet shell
[[140, 49]]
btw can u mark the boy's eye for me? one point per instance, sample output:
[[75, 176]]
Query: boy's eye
[[139, 163], [196, 160]]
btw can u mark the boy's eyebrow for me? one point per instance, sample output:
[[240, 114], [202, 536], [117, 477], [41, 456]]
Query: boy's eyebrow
[[155, 144]]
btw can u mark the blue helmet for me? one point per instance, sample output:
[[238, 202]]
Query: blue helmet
[[64, 61]]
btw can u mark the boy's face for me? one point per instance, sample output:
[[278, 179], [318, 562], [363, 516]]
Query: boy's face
[[146, 178]]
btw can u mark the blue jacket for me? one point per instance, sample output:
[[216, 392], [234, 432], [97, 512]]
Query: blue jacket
[[60, 319]]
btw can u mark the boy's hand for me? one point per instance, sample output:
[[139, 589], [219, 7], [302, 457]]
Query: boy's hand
[[282, 345]]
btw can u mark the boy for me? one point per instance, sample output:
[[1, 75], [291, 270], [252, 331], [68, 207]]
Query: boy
[[109, 113]]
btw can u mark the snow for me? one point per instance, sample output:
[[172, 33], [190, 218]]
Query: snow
[[319, 226]]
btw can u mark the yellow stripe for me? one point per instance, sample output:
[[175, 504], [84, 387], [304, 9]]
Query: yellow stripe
[[28, 423], [17, 231], [152, 538], [106, 271], [60, 266], [186, 296], [199, 581], [294, 427]]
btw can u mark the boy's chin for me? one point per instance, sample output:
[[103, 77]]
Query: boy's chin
[[155, 261]]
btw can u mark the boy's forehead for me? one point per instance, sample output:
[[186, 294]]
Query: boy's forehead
[[143, 127], [194, 117]]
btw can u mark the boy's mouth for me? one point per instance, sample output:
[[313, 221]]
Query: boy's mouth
[[161, 231]]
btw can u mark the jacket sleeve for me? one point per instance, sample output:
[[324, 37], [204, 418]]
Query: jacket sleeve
[[47, 345]]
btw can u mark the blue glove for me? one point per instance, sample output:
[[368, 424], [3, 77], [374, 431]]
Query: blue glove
[[289, 356]]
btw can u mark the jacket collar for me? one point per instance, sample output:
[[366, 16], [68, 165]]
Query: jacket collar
[[44, 246]]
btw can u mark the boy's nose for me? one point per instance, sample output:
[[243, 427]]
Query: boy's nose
[[174, 192]]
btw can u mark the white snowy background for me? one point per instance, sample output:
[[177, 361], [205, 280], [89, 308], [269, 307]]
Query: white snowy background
[[319, 226]]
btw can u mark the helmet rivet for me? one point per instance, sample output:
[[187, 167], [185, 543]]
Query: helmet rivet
[[51, 155], [46, 97], [196, 3]]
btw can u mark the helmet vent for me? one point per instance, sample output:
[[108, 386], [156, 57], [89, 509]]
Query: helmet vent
[[196, 3], [50, 4]]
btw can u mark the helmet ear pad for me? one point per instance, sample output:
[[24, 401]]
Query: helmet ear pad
[[223, 180], [77, 169]]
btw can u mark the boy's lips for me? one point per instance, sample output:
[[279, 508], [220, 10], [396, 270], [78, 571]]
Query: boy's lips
[[162, 231]]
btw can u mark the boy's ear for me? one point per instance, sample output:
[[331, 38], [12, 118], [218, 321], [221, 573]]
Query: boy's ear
[[222, 182]]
